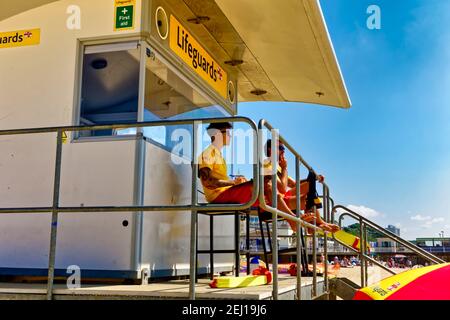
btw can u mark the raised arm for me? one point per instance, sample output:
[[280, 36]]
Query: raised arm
[[283, 184], [291, 183]]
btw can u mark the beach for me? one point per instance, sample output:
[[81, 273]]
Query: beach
[[375, 274]]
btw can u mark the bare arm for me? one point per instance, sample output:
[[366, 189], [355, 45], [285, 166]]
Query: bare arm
[[283, 176], [283, 181], [211, 182], [291, 183]]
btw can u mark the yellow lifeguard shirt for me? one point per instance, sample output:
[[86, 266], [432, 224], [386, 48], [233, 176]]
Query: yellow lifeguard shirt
[[267, 164], [212, 158]]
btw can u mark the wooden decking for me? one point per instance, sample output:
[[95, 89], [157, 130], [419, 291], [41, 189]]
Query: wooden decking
[[176, 289]]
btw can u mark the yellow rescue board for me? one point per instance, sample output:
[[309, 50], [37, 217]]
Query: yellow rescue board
[[238, 282], [347, 238]]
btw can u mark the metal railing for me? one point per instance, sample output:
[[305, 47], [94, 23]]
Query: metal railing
[[55, 209], [194, 207], [273, 208], [390, 250], [443, 249], [364, 257]]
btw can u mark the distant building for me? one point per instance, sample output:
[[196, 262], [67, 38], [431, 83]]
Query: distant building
[[433, 242], [393, 229]]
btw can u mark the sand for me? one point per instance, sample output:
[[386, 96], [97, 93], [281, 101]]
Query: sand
[[375, 274]]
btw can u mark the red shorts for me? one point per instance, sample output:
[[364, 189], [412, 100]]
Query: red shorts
[[241, 193], [289, 195]]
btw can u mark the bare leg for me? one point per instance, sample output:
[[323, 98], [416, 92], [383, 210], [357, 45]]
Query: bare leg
[[292, 204], [304, 188], [281, 204], [325, 225]]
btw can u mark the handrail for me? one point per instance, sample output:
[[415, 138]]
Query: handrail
[[140, 124], [424, 254], [366, 256], [55, 209], [364, 223], [80, 209], [194, 207], [277, 213]]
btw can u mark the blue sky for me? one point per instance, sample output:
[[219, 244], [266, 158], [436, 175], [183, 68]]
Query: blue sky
[[388, 156]]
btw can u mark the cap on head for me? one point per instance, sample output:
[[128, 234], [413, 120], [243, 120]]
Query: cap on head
[[218, 126], [268, 146]]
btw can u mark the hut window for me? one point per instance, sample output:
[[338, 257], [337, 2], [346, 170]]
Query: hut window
[[110, 87]]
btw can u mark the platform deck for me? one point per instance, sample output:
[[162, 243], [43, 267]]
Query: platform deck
[[175, 289]]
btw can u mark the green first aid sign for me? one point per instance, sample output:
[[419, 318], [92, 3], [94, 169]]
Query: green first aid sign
[[124, 14]]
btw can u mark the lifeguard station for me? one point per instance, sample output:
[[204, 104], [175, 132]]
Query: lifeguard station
[[111, 87]]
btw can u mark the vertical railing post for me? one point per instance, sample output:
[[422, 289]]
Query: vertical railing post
[[366, 262], [361, 252], [274, 172], [211, 245], [237, 242], [328, 215], [138, 199], [194, 215], [298, 239], [139, 166], [54, 225], [247, 241], [314, 254], [325, 236]]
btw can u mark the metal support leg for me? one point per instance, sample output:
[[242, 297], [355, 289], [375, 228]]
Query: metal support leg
[[304, 257], [193, 258], [194, 216], [366, 263], [314, 257], [325, 260], [325, 237], [54, 225], [211, 245], [275, 257], [299, 231], [263, 239], [269, 237], [247, 240], [237, 235], [196, 253], [361, 253]]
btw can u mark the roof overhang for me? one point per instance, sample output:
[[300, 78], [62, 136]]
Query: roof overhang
[[290, 41], [284, 46], [11, 8]]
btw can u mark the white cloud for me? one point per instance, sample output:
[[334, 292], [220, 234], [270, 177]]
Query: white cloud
[[428, 221], [420, 218], [364, 211]]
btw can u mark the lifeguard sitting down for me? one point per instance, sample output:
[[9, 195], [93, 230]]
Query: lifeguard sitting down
[[287, 187], [218, 188]]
